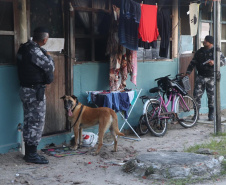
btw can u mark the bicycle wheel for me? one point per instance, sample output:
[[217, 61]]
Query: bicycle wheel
[[187, 111], [156, 125], [142, 126]]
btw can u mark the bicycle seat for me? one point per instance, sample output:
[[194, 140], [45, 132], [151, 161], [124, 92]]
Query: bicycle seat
[[155, 89], [147, 97]]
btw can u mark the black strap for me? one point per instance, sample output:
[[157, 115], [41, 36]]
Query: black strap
[[78, 116], [75, 106]]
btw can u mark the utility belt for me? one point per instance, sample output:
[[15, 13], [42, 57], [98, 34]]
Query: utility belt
[[40, 93], [36, 86], [206, 74]]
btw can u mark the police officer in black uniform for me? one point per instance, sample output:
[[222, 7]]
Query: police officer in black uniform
[[204, 63], [35, 70]]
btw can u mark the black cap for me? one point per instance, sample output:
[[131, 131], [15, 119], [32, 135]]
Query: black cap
[[41, 30], [209, 39]]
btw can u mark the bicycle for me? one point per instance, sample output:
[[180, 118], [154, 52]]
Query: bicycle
[[183, 107]]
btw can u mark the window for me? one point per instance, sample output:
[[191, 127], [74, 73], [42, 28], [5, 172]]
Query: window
[[47, 14], [7, 32], [92, 19], [152, 54], [206, 24], [223, 26]]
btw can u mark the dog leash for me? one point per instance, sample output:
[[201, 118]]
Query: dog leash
[[78, 116]]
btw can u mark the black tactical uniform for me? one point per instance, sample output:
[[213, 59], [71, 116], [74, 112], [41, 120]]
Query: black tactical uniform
[[205, 77], [35, 70]]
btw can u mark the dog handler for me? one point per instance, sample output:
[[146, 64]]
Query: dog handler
[[35, 70], [204, 63]]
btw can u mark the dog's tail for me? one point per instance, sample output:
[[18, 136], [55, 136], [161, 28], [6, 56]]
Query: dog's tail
[[115, 124]]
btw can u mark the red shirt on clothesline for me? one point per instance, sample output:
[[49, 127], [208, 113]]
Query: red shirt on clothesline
[[148, 30]]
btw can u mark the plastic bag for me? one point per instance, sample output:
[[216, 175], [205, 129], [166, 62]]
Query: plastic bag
[[89, 139]]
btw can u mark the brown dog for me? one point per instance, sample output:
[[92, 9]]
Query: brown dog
[[82, 116]]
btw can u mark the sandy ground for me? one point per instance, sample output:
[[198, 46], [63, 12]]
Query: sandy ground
[[102, 169]]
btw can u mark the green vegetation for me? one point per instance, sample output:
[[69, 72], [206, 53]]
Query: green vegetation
[[183, 181], [217, 145]]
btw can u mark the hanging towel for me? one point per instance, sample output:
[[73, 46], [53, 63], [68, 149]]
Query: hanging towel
[[131, 96], [108, 100], [193, 18], [124, 103], [148, 31], [115, 101], [134, 98]]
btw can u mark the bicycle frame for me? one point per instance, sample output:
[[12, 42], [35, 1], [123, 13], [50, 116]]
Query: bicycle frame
[[173, 95]]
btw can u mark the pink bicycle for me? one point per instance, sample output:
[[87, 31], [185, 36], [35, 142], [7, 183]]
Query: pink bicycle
[[183, 107]]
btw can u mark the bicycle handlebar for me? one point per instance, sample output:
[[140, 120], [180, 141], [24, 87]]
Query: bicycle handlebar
[[179, 75], [161, 78]]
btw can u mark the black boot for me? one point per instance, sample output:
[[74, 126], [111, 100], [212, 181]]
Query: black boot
[[193, 118], [210, 115], [31, 155]]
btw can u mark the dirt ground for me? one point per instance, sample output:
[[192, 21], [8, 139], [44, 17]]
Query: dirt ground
[[105, 168]]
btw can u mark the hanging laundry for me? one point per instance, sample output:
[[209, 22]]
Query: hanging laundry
[[130, 13], [148, 31], [121, 62], [125, 67], [193, 18], [165, 4], [164, 27], [150, 2], [114, 49], [133, 71], [147, 45]]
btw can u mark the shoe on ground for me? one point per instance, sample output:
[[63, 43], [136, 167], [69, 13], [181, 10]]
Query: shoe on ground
[[35, 158], [210, 115], [211, 118]]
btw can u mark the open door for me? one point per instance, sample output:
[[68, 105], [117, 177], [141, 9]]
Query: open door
[[53, 15], [185, 60], [55, 113]]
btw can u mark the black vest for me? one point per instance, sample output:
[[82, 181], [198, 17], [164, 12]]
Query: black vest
[[29, 73], [202, 56]]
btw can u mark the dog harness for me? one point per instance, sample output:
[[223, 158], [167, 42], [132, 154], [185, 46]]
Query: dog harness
[[78, 114]]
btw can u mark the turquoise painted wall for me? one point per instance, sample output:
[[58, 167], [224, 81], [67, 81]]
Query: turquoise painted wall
[[87, 76], [10, 108], [204, 106], [95, 76]]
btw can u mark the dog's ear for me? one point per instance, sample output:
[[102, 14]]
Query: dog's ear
[[63, 97], [74, 97]]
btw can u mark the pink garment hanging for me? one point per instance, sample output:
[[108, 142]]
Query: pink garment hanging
[[148, 30], [134, 67]]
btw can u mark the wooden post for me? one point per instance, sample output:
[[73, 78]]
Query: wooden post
[[22, 21], [69, 49], [175, 29], [72, 46], [69, 46], [217, 43]]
